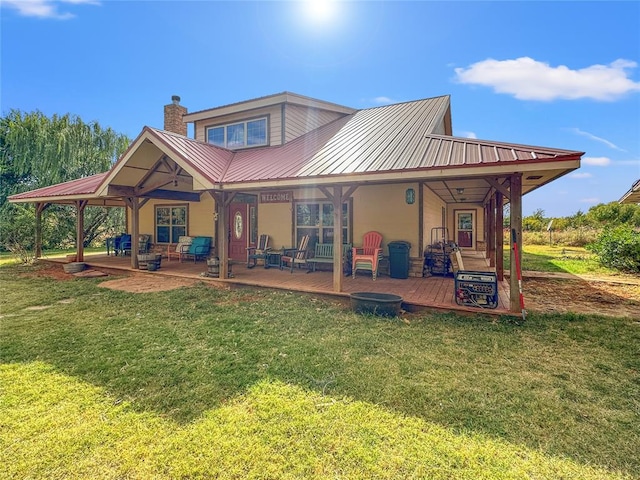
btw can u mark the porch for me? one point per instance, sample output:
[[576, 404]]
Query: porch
[[435, 292]]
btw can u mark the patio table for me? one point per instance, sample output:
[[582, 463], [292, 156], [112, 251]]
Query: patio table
[[273, 258]]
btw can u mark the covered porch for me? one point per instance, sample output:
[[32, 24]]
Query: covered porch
[[434, 292]]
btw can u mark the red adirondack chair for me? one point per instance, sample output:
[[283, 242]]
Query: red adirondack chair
[[368, 256]]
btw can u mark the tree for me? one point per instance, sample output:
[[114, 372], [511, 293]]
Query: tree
[[37, 151], [535, 222], [614, 213]]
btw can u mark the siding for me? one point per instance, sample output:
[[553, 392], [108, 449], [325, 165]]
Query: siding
[[300, 120], [275, 122], [432, 213]]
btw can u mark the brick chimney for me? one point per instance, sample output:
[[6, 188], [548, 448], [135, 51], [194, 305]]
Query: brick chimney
[[173, 117]]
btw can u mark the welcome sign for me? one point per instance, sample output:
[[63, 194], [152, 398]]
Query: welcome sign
[[276, 197]]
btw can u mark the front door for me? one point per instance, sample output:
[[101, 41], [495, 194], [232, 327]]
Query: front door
[[239, 231], [465, 229]]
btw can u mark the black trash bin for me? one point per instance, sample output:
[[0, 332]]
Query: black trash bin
[[399, 259]]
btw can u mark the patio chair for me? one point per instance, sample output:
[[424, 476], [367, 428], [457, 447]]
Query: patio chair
[[174, 250], [199, 248], [144, 243], [123, 244], [258, 253], [296, 256], [368, 256]]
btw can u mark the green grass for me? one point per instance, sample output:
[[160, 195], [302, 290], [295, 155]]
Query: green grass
[[545, 258], [8, 258], [200, 382]]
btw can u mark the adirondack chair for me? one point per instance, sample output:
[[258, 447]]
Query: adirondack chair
[[367, 256], [296, 256], [259, 252]]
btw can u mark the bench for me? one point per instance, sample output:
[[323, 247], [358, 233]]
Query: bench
[[324, 254]]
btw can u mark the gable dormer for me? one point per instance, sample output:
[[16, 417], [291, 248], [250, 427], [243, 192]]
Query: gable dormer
[[266, 121]]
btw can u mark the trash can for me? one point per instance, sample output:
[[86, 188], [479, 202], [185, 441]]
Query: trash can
[[399, 259]]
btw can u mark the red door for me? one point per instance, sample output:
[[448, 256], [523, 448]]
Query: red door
[[238, 231]]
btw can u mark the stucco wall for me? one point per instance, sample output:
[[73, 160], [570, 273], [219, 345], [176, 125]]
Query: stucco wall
[[383, 208], [200, 217], [275, 220]]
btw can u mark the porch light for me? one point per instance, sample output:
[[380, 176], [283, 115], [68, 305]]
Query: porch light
[[410, 196], [460, 191]]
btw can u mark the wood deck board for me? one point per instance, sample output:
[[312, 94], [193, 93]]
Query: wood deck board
[[432, 292]]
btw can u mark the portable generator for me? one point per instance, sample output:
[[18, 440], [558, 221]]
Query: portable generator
[[476, 289]]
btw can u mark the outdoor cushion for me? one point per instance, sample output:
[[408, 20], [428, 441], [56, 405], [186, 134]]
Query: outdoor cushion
[[183, 241], [199, 245]]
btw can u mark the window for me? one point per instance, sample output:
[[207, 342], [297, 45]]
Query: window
[[171, 223], [316, 220], [250, 133]]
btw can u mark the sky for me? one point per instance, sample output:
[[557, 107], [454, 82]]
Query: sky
[[545, 73]]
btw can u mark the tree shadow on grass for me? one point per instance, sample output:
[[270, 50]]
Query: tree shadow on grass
[[183, 352]]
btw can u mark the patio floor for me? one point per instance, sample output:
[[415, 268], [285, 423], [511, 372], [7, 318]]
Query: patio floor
[[435, 292]]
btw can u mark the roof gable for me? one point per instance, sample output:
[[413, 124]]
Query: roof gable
[[400, 142], [269, 100]]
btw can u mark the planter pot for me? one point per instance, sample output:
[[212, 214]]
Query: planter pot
[[382, 304], [74, 267]]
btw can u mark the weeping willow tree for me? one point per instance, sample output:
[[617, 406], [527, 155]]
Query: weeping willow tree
[[38, 151]]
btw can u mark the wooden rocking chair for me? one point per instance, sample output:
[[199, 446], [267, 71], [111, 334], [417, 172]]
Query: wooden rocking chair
[[296, 256], [259, 252], [367, 256]]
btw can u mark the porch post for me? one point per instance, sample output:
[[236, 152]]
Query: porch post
[[487, 228], [499, 237], [222, 234], [135, 231], [337, 238], [491, 232], [80, 205], [515, 223], [40, 207]]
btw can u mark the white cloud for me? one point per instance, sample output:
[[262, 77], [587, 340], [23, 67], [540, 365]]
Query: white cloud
[[597, 161], [384, 100], [45, 8], [625, 163], [597, 139], [529, 79], [580, 175], [592, 200], [467, 135]]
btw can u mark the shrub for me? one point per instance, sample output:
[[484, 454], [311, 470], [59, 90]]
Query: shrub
[[618, 248]]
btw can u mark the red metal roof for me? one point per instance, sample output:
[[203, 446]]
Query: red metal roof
[[209, 160], [81, 187], [394, 139]]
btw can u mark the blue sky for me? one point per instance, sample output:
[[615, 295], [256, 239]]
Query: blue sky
[[554, 74]]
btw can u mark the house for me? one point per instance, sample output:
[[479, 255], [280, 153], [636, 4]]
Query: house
[[633, 195], [289, 165]]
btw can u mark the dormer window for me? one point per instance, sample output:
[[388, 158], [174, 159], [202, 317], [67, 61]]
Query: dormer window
[[250, 133]]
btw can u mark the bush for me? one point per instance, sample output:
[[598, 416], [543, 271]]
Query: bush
[[618, 248]]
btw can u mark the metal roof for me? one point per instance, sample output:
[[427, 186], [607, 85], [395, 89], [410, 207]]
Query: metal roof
[[369, 140], [633, 195], [85, 186], [400, 142], [209, 160]]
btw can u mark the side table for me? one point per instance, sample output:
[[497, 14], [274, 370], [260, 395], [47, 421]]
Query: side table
[[273, 258]]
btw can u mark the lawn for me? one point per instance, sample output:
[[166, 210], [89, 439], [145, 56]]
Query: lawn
[[545, 258], [200, 382]]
